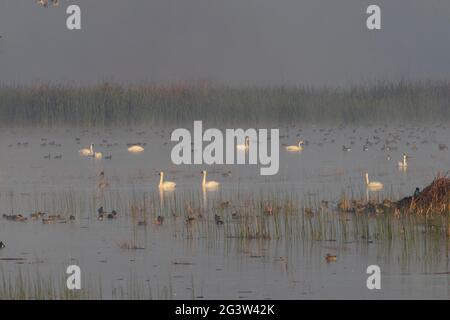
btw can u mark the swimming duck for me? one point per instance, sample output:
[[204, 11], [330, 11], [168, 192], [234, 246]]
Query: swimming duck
[[218, 219], [112, 215], [159, 220], [226, 174], [330, 258], [346, 149], [101, 212]]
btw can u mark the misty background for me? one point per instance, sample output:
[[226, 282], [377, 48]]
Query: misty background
[[234, 42]]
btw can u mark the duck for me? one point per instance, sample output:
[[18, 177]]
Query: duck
[[136, 149], [87, 152], [15, 217], [209, 184], [296, 148], [346, 149], [218, 219], [226, 174], [373, 185], [2, 245], [244, 147], [403, 164], [112, 215], [159, 220], [103, 185], [224, 204], [165, 185], [330, 258], [101, 213]]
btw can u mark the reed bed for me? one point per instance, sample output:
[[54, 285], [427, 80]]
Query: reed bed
[[33, 285], [253, 216], [228, 222], [109, 104]]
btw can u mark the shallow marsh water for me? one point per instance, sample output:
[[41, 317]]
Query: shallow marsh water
[[177, 260]]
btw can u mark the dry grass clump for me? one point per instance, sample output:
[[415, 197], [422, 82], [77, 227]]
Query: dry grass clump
[[435, 198]]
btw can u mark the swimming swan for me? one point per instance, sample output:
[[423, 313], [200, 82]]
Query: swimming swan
[[87, 152], [135, 149], [373, 185], [403, 164], [296, 148], [165, 185], [98, 155], [209, 184], [244, 147]]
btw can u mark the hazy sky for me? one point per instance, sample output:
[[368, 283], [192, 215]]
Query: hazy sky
[[312, 42]]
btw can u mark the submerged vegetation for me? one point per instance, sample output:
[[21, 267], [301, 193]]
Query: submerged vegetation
[[111, 104]]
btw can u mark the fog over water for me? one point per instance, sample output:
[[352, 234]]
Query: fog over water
[[236, 42]]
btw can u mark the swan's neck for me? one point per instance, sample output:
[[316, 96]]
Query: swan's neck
[[204, 178], [404, 160], [91, 148], [367, 178], [161, 179], [247, 142]]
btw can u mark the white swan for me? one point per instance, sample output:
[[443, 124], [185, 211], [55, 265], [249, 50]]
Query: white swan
[[209, 184], [136, 149], [244, 147], [373, 185], [403, 164], [87, 152], [165, 185], [98, 155], [296, 148]]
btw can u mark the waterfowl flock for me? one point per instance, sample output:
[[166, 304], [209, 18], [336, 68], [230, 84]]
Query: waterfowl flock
[[388, 140], [48, 3]]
